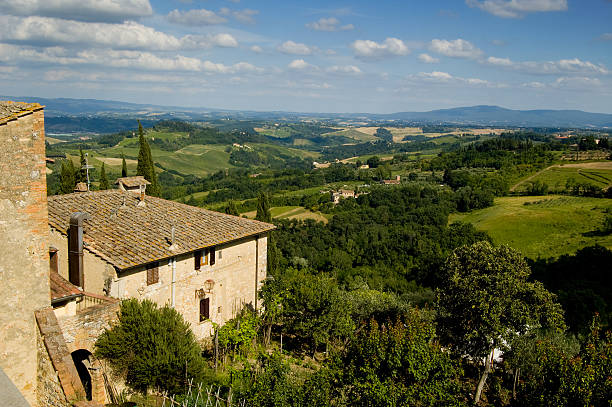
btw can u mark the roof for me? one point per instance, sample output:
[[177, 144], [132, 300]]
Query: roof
[[80, 187], [12, 110], [61, 288], [128, 235], [132, 182]]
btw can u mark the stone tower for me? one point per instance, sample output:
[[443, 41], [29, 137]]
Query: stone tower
[[24, 255]]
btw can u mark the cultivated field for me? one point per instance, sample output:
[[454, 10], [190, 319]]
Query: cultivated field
[[291, 212], [545, 226], [559, 175]]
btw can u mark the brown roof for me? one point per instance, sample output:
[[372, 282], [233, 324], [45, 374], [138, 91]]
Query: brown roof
[[127, 235], [131, 182], [61, 288], [12, 110]]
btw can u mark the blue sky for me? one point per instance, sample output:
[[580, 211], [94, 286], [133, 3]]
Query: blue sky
[[314, 56]]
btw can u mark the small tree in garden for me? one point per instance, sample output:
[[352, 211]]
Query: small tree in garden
[[151, 348]]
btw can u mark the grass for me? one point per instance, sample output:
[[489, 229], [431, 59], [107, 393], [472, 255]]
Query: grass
[[547, 227], [352, 134], [557, 176], [291, 212]]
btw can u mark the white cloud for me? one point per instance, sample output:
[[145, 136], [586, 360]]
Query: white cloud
[[300, 65], [534, 85], [195, 17], [82, 10], [344, 69], [575, 65], [329, 24], [606, 37], [517, 8], [244, 16], [121, 59], [296, 48], [367, 49], [428, 59], [128, 35], [445, 77], [574, 82], [256, 49], [458, 48]]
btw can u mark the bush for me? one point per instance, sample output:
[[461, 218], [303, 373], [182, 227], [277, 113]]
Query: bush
[[151, 348]]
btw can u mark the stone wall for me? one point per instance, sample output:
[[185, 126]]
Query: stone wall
[[81, 330], [24, 257], [49, 391]]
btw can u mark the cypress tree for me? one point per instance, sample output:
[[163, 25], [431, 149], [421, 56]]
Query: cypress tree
[[231, 208], [123, 166], [81, 173], [145, 166], [67, 177], [263, 208], [103, 179]]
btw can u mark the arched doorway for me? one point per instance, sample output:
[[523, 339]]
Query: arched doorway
[[82, 361]]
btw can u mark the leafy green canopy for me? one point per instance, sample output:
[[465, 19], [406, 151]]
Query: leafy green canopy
[[151, 348], [103, 178], [263, 208]]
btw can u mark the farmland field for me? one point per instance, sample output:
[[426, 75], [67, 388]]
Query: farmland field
[[291, 212], [557, 176], [547, 226]]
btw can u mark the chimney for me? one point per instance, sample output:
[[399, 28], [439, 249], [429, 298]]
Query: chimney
[[75, 248]]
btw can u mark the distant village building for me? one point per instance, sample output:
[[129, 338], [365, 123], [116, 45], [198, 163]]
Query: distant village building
[[395, 181], [364, 167], [119, 244], [342, 194]]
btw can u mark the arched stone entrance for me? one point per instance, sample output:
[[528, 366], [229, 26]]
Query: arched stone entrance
[[82, 359]]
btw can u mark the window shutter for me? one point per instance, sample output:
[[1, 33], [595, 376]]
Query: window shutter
[[152, 273], [204, 309], [212, 256], [198, 259]]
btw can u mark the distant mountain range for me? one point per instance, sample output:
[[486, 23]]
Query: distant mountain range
[[65, 111]]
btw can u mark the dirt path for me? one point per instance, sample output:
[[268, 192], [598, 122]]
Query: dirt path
[[529, 178]]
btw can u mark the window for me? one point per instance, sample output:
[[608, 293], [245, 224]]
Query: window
[[53, 260], [201, 258], [152, 273], [204, 257], [204, 309]]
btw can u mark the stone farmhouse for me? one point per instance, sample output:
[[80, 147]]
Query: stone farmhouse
[[122, 244], [66, 261], [342, 194]]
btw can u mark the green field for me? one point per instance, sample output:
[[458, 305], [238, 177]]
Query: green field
[[292, 212], [557, 176], [548, 227], [351, 134]]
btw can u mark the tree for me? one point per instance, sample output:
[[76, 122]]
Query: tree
[[103, 179], [151, 348], [231, 209], [67, 177], [145, 166], [123, 166], [486, 300], [263, 208], [399, 364], [81, 175]]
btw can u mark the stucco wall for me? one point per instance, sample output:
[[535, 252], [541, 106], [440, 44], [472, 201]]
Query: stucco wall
[[24, 257], [235, 275]]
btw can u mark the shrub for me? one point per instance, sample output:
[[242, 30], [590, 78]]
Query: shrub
[[151, 348]]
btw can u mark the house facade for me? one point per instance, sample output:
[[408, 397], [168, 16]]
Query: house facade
[[205, 264]]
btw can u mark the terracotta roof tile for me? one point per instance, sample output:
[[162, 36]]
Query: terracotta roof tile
[[61, 288], [127, 235], [12, 110]]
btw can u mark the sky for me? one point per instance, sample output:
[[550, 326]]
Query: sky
[[312, 56]]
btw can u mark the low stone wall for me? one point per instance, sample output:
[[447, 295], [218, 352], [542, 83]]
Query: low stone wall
[[83, 329], [49, 392]]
